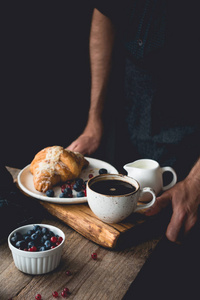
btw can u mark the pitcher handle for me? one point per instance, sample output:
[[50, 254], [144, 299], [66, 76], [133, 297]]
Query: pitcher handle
[[174, 180], [149, 204]]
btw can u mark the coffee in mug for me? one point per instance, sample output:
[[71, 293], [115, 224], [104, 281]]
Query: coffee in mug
[[113, 197]]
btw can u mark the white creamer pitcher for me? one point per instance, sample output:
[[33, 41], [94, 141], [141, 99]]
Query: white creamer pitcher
[[149, 173]]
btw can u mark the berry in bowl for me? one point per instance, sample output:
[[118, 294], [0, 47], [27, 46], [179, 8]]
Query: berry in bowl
[[36, 249]]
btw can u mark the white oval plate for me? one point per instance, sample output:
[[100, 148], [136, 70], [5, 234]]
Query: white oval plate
[[25, 182]]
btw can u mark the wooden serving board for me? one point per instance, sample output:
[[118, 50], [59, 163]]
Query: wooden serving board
[[82, 219]]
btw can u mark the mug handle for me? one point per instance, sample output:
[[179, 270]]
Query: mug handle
[[147, 205], [174, 180]]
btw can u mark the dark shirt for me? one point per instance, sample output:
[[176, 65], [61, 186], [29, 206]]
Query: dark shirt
[[161, 41], [142, 24]]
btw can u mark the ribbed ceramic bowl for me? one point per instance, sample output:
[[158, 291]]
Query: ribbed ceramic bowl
[[39, 262]]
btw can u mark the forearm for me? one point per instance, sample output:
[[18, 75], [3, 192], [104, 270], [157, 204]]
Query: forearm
[[101, 46]]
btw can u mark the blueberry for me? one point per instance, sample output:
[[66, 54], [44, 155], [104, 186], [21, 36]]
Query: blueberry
[[62, 195], [51, 233], [34, 236], [13, 240], [79, 181], [36, 227], [80, 194], [45, 230], [38, 232], [50, 193], [42, 248], [69, 195], [18, 236], [27, 238], [77, 187], [45, 237], [47, 244], [67, 191], [42, 240], [30, 232], [17, 244], [103, 171], [21, 244], [31, 244]]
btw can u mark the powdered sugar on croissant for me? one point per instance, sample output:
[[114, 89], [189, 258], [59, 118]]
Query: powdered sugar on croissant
[[55, 164]]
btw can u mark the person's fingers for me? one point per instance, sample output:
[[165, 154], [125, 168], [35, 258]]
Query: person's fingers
[[85, 144], [190, 222], [181, 223], [79, 146], [161, 202], [72, 146], [176, 224]]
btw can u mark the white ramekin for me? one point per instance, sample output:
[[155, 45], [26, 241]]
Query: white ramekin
[[39, 262]]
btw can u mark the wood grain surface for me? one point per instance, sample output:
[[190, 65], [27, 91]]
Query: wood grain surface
[[107, 278], [82, 219]]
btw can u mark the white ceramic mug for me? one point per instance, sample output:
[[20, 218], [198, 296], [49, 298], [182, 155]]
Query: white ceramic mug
[[115, 208], [149, 173]]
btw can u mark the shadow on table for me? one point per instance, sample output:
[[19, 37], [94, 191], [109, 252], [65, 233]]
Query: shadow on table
[[170, 272], [149, 228]]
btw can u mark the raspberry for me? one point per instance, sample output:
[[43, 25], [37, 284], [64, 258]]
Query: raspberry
[[64, 294], [55, 294], [94, 256], [63, 187], [53, 239], [32, 249], [60, 239], [68, 273]]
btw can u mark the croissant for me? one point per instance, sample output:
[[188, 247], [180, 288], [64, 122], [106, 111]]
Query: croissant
[[55, 164]]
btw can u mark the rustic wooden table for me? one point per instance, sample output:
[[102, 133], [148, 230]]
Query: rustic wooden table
[[108, 277]]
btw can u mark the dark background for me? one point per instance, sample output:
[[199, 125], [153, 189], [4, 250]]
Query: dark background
[[45, 86]]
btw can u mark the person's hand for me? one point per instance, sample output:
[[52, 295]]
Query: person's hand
[[85, 144], [89, 141], [185, 199]]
